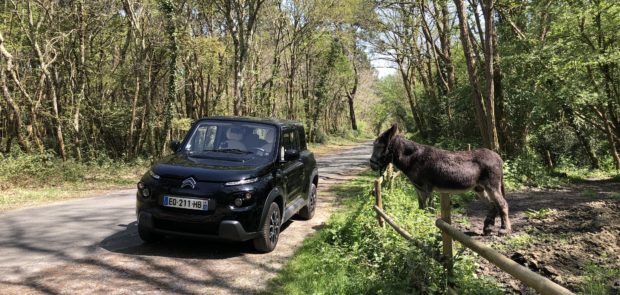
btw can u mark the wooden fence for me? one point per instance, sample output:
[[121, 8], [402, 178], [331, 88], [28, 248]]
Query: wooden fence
[[448, 232]]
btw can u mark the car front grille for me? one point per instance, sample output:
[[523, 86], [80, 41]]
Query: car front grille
[[186, 227]]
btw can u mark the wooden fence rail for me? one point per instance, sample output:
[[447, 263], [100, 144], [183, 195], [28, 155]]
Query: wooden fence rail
[[529, 278], [539, 283]]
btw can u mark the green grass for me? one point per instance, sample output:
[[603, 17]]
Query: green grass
[[352, 255], [519, 240], [29, 180], [597, 278], [539, 214], [577, 174]]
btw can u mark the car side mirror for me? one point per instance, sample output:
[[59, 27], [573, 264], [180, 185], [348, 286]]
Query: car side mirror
[[174, 145], [290, 155]]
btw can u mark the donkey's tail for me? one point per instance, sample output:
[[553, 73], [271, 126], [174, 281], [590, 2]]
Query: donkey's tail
[[502, 187]]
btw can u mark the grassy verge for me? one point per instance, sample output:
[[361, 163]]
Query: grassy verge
[[352, 255], [30, 180]]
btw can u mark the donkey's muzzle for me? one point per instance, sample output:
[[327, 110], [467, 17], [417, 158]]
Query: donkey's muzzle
[[374, 165]]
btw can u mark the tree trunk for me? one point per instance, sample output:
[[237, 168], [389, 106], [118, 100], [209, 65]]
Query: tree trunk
[[472, 73], [570, 117], [351, 98], [612, 142], [81, 85], [408, 82], [489, 57], [17, 117], [168, 9], [7, 96]]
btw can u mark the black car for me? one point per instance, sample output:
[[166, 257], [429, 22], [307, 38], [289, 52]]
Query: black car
[[231, 178]]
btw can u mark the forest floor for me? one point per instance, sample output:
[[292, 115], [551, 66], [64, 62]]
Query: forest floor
[[569, 235]]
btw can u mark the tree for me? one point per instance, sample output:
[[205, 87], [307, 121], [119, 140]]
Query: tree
[[241, 17]]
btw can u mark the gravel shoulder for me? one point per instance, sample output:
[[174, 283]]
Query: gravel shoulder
[[92, 246]]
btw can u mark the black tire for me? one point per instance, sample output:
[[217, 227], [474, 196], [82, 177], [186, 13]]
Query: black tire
[[307, 212], [148, 236], [270, 232]]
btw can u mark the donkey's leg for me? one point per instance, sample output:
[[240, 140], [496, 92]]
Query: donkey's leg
[[423, 197], [489, 221], [429, 200], [502, 206]]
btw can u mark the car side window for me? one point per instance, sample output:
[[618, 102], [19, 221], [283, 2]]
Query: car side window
[[290, 140], [204, 139]]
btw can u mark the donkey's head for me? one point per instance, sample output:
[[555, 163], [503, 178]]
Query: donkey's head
[[381, 149]]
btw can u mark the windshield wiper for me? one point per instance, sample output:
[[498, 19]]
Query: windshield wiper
[[232, 151]]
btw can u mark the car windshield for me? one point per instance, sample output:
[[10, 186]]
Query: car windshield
[[232, 139]]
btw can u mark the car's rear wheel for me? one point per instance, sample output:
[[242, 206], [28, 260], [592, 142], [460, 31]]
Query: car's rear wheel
[[270, 232], [147, 235], [308, 212]]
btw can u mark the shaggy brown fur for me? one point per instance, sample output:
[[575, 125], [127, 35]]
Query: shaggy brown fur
[[432, 169]]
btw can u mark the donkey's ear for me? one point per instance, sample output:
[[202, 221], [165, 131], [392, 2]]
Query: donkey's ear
[[394, 128], [393, 131]]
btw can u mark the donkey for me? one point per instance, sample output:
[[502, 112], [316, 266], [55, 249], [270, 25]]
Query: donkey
[[432, 169]]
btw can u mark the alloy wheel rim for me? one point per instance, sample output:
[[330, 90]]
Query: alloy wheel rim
[[274, 227], [312, 200]]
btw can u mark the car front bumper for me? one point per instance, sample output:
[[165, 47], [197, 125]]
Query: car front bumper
[[231, 230]]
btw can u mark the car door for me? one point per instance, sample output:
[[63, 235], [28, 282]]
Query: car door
[[292, 170]]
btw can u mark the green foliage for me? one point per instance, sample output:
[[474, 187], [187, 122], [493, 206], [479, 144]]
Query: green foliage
[[469, 282], [596, 279], [539, 214], [46, 170], [352, 255], [393, 107], [527, 170], [519, 240]]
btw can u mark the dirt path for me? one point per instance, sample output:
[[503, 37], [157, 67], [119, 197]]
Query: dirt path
[[91, 246], [558, 233]]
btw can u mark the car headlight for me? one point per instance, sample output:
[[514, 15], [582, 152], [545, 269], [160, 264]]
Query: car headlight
[[152, 174], [143, 190], [240, 182]]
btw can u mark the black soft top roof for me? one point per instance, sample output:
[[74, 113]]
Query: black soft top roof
[[272, 121]]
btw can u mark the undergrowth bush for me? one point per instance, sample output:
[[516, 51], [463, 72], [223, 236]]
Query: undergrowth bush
[[45, 169], [352, 255], [526, 170]]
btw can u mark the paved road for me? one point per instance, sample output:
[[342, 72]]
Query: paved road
[[91, 246]]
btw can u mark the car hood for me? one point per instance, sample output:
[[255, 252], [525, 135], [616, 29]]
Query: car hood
[[211, 169]]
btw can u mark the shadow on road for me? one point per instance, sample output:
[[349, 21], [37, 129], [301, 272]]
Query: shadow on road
[[174, 265], [92, 246], [128, 242]]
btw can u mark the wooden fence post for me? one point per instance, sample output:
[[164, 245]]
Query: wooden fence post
[[378, 200], [447, 240]]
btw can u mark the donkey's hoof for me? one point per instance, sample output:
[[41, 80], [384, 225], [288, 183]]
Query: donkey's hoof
[[504, 231], [486, 232]]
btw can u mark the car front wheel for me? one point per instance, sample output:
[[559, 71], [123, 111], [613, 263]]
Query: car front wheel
[[307, 212], [270, 232]]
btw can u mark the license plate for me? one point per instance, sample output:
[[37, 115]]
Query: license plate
[[186, 203]]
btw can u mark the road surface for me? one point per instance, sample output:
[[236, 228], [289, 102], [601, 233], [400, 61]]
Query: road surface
[[92, 246]]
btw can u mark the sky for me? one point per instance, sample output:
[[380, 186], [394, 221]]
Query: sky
[[383, 66]]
